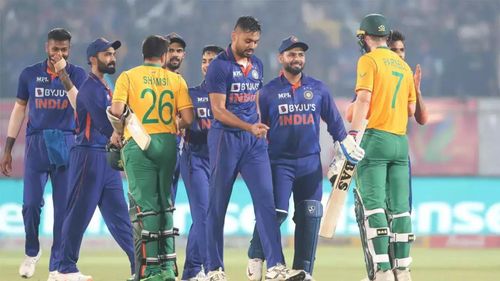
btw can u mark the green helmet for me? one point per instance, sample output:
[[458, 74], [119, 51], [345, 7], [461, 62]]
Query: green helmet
[[374, 24]]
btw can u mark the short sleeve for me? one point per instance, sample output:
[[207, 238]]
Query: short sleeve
[[365, 73], [121, 88], [78, 76], [22, 87], [183, 100], [217, 74]]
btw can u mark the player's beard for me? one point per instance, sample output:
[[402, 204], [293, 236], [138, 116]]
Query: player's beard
[[247, 53], [174, 64], [294, 69], [106, 68]]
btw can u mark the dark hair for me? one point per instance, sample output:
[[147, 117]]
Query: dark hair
[[396, 36], [212, 48], [248, 24], [59, 34], [154, 46]]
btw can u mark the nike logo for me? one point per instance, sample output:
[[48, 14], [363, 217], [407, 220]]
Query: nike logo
[[361, 75]]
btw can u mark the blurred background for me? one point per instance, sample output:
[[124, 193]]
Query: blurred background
[[455, 157]]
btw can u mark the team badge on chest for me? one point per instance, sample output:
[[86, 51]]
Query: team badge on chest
[[255, 74], [308, 95]]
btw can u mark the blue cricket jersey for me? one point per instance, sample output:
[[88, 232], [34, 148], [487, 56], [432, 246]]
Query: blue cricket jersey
[[93, 128], [48, 104], [196, 135], [293, 113], [239, 84]]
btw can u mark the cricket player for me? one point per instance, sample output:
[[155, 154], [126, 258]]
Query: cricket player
[[236, 145], [386, 97], [195, 171], [175, 55], [293, 105], [49, 136], [146, 101], [396, 43], [92, 180]]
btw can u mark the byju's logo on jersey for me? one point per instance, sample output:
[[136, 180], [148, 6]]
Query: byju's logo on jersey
[[283, 108], [255, 74], [235, 87], [42, 79], [38, 92], [202, 112]]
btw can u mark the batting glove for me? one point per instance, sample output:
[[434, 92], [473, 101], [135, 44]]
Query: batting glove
[[352, 151]]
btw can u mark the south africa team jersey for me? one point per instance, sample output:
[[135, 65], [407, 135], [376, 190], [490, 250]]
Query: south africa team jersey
[[48, 104], [155, 95], [239, 84], [390, 80], [294, 112], [196, 136]]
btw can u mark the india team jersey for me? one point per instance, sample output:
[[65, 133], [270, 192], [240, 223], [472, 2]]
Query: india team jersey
[[196, 136], [93, 126], [155, 95], [390, 80], [294, 112], [48, 104], [239, 84]]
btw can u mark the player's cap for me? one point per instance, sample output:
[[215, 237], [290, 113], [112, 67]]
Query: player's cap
[[374, 24], [175, 38], [290, 43], [101, 45]]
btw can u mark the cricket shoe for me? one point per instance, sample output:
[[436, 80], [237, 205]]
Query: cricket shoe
[[74, 276], [281, 273], [216, 275], [402, 274], [199, 277], [27, 267], [131, 278], [53, 275], [381, 275], [254, 269]]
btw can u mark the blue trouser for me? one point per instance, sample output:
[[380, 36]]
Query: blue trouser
[[195, 173], [302, 176], [94, 183], [232, 152], [37, 169]]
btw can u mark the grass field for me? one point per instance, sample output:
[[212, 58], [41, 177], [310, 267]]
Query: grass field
[[333, 264]]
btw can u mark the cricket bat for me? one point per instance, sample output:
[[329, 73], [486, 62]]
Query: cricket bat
[[137, 131], [340, 188]]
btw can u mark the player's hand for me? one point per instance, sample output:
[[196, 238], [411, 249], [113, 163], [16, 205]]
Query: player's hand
[[116, 139], [178, 124], [58, 62], [417, 77], [6, 164], [352, 151], [259, 130], [336, 163]]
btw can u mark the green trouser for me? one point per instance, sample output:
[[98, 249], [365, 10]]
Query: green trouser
[[382, 178], [150, 175]]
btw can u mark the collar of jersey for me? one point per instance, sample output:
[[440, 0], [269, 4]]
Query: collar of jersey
[[303, 80], [152, 64], [383, 47]]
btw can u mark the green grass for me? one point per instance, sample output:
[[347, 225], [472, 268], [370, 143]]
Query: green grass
[[333, 264]]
